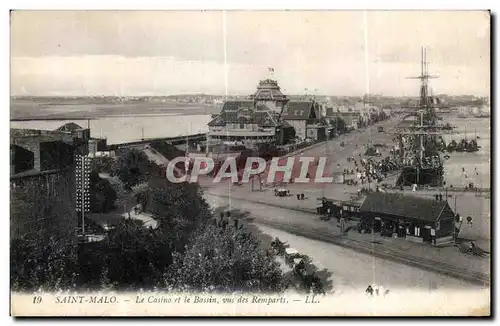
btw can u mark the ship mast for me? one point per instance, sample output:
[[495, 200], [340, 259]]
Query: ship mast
[[425, 130]]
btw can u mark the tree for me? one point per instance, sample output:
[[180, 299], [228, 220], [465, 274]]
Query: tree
[[50, 267], [103, 195], [123, 193], [179, 210], [225, 258], [43, 244], [133, 167], [136, 257], [102, 164]]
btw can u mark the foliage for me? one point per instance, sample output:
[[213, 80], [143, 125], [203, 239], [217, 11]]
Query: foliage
[[43, 241], [103, 195], [136, 257], [133, 167], [102, 164], [188, 249], [225, 258], [48, 268], [179, 210]]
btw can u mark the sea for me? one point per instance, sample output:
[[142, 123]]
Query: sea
[[120, 129], [477, 165]]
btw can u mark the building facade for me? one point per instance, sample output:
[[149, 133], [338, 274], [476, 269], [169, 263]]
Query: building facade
[[44, 150], [269, 94], [243, 122], [267, 116], [305, 118], [413, 218]]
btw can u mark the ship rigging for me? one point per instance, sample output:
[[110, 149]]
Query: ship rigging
[[421, 161]]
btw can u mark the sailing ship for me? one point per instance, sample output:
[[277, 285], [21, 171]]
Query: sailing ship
[[422, 163], [467, 145]]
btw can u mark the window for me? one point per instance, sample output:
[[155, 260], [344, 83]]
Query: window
[[242, 126]]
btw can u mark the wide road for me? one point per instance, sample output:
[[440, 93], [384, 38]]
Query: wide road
[[443, 261], [350, 270], [354, 271]]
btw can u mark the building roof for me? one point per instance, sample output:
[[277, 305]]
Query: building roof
[[71, 126], [268, 89], [299, 110], [244, 112], [420, 208]]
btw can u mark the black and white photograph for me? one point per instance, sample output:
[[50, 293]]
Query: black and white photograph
[[250, 163]]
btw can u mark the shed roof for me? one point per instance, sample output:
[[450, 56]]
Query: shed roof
[[425, 209]]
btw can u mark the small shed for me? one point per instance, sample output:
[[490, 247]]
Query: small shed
[[414, 218]]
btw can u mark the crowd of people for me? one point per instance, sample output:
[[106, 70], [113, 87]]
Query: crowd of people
[[367, 170]]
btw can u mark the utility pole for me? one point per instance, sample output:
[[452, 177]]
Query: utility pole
[[82, 174]]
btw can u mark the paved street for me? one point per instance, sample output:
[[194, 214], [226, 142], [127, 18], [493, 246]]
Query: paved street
[[305, 221]]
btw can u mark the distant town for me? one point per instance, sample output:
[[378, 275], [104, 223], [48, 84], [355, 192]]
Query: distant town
[[219, 99]]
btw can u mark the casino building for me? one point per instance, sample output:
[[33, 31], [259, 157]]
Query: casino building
[[267, 116]]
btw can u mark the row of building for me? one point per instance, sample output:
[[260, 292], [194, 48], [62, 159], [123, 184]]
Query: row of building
[[269, 116]]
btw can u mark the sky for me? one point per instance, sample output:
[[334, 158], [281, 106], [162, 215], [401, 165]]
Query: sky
[[142, 53]]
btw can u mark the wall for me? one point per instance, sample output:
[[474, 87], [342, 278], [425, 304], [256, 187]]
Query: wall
[[31, 144], [42, 206], [312, 133], [21, 159], [300, 127], [55, 155]]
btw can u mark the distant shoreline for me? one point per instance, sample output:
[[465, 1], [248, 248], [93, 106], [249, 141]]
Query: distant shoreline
[[135, 115], [91, 111]]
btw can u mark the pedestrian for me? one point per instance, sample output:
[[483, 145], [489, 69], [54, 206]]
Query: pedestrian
[[302, 196], [440, 197], [437, 197], [369, 290], [298, 196]]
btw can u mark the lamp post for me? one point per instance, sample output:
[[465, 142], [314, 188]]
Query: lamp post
[[82, 174]]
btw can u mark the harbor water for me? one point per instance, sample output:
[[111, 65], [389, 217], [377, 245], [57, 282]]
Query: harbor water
[[476, 164], [122, 129]]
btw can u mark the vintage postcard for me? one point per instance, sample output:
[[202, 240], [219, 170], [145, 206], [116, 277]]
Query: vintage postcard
[[250, 163]]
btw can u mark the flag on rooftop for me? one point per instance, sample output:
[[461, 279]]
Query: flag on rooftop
[[271, 69]]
